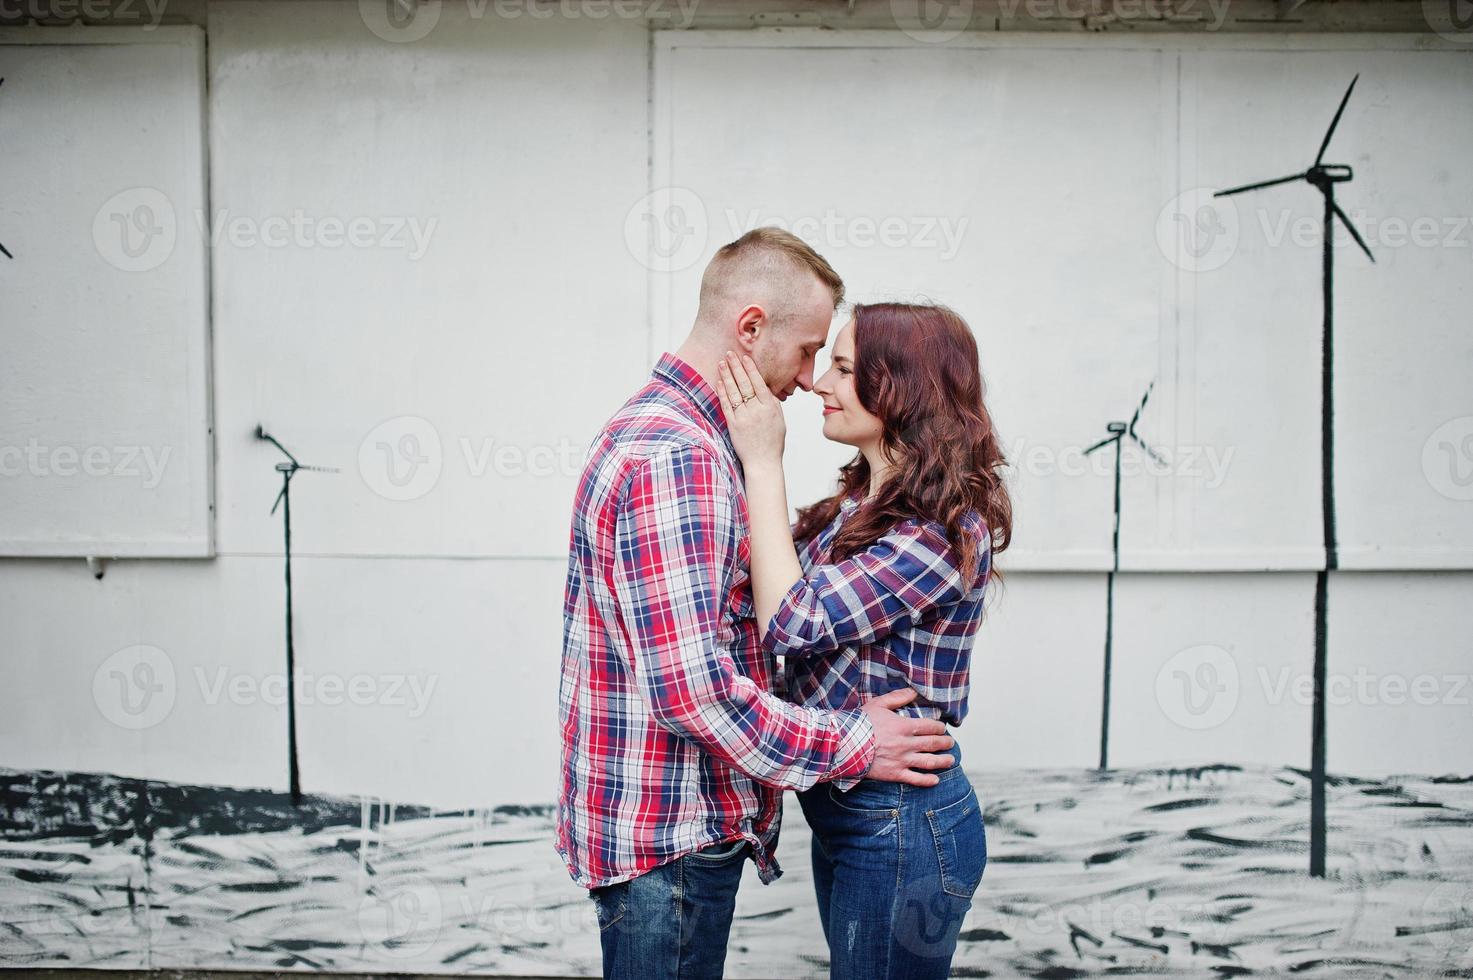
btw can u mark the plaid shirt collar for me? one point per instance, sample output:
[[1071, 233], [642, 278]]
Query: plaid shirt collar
[[688, 381]]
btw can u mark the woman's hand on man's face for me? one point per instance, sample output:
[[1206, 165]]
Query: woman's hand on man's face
[[753, 413]]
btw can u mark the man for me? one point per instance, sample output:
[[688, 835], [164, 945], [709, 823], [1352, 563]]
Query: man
[[675, 744]]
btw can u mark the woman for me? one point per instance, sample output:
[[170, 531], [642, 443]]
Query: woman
[[883, 591]]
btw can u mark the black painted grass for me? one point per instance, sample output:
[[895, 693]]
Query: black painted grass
[[1170, 872]]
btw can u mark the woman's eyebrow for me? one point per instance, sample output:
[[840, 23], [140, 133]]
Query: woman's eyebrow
[[839, 357]]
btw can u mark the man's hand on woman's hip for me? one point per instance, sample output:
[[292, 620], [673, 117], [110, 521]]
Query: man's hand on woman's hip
[[904, 745]]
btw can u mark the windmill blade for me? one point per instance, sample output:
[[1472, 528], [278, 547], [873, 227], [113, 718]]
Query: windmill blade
[[1130, 429], [1141, 407], [261, 433], [1351, 228], [1149, 451], [1262, 183], [1101, 444], [1336, 121]]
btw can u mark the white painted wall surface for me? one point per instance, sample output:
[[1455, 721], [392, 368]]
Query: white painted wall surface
[[105, 444], [525, 319], [1026, 182]]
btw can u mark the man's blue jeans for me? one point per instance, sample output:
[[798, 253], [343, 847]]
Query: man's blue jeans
[[672, 922], [895, 868]]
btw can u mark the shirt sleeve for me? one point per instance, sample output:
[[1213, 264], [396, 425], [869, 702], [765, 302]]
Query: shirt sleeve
[[807, 551], [675, 532], [873, 594]]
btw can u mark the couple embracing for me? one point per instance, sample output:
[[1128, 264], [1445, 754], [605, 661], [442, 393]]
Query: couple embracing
[[714, 657]]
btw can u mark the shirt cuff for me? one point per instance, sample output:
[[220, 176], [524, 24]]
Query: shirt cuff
[[791, 624], [856, 752]]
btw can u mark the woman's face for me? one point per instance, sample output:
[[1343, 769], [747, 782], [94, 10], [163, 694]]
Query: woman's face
[[844, 419]]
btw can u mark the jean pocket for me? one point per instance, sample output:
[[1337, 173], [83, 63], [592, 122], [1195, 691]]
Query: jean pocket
[[961, 844], [609, 904], [868, 798], [720, 853]]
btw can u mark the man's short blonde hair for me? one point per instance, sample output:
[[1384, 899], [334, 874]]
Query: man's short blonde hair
[[765, 252]]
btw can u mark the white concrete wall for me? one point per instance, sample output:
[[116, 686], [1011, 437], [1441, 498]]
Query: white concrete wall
[[522, 320], [518, 146]]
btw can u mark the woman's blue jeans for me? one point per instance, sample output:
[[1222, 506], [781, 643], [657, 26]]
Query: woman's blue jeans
[[895, 868]]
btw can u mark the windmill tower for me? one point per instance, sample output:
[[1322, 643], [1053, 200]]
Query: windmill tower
[[1323, 177]]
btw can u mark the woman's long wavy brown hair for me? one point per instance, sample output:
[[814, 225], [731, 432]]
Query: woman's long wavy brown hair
[[916, 367]]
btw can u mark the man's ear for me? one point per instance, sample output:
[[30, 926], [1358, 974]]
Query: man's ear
[[750, 324]]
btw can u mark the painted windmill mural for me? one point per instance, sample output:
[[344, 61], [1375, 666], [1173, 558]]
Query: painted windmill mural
[[288, 470], [1119, 432], [1323, 177]]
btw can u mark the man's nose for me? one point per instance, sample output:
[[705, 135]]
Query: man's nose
[[804, 380]]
